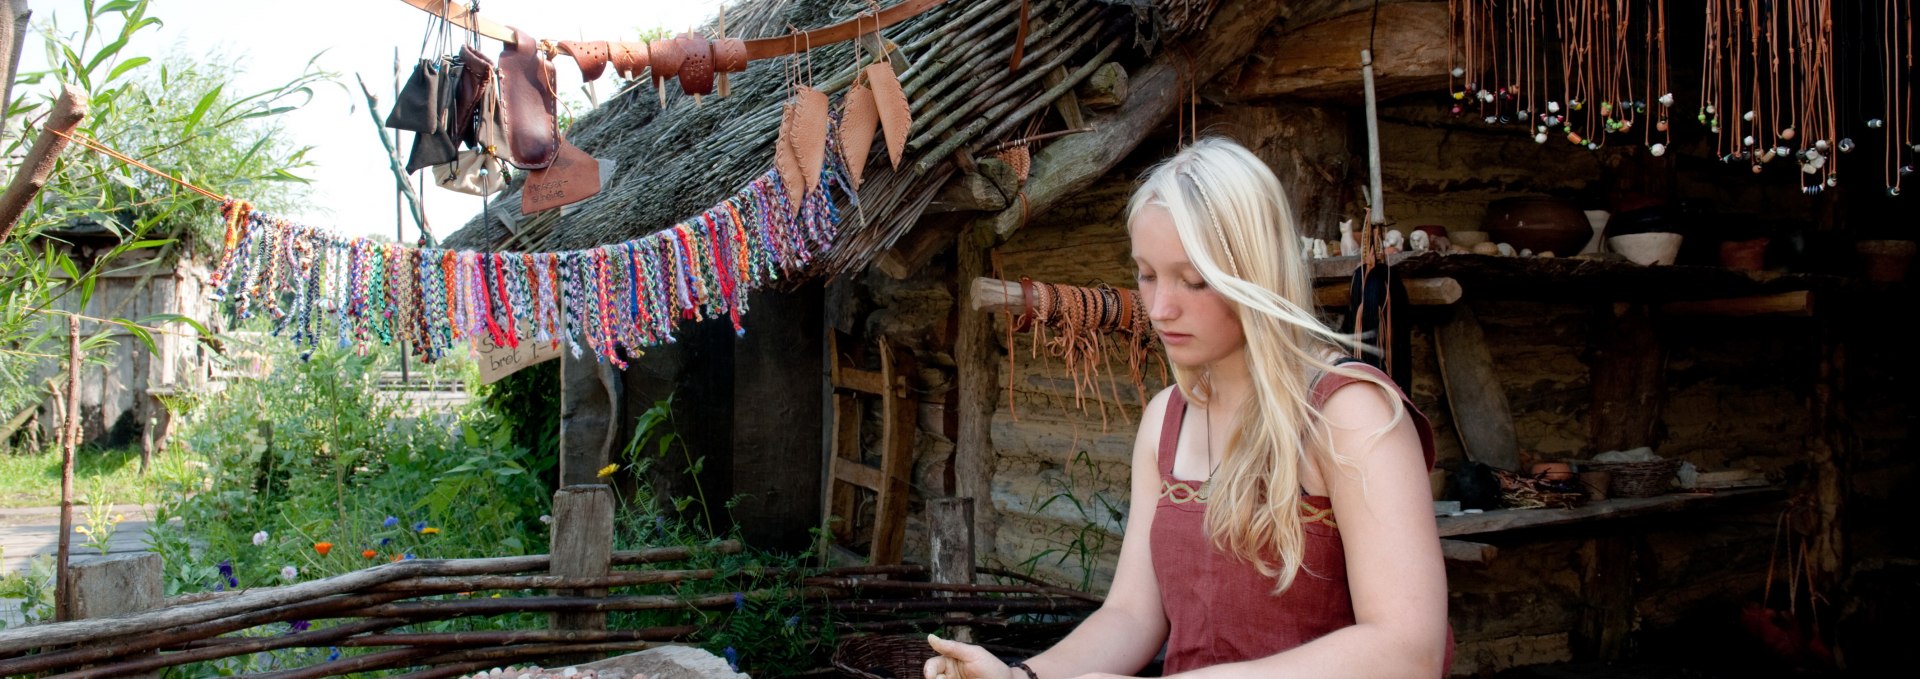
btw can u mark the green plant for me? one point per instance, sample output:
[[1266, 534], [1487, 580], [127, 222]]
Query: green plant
[[1095, 517], [655, 439], [33, 588], [102, 521]]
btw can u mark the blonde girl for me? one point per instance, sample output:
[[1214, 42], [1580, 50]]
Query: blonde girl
[[1280, 520]]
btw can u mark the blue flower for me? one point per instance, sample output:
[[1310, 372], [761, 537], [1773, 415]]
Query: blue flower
[[739, 601], [407, 557], [384, 541], [390, 522], [333, 653], [793, 621], [733, 659], [419, 526], [298, 626], [226, 572]]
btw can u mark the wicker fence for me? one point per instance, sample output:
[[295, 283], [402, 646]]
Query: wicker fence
[[369, 608]]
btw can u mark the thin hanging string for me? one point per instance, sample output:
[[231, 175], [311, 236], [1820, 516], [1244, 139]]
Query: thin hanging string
[[89, 143]]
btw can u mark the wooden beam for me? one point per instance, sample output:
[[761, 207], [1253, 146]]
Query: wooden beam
[[1068, 166], [1504, 520], [1468, 552], [1795, 303], [1420, 291], [31, 177], [992, 295], [1321, 60], [582, 548], [1606, 589], [977, 369], [1628, 378]]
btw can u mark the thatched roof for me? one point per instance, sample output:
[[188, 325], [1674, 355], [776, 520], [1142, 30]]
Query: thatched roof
[[675, 162]]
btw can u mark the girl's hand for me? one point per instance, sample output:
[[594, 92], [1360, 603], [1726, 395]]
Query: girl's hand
[[963, 661]]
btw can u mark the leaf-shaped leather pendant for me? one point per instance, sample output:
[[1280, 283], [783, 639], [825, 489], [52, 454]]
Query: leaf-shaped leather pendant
[[786, 160], [859, 120], [810, 133], [896, 119]]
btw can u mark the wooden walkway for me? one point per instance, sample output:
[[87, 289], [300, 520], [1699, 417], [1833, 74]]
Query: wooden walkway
[[32, 531]]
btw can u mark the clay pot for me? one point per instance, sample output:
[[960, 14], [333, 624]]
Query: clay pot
[[1552, 471], [1647, 249], [1745, 255], [1886, 260], [1539, 223]]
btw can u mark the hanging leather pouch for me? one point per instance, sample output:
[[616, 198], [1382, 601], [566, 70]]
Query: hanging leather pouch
[[526, 92], [476, 85], [414, 111]]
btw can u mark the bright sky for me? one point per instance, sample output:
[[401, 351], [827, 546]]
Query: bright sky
[[352, 185]]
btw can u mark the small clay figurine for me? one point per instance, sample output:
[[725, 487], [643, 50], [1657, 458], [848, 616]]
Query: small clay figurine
[[1394, 239], [1419, 241], [1505, 250], [1348, 246]]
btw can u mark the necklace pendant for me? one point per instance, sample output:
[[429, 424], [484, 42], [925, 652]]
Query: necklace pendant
[[1206, 488]]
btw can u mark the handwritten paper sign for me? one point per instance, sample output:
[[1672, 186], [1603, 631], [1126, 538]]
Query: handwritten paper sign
[[497, 362]]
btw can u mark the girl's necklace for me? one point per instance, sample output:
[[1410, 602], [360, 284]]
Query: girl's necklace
[[1206, 485]]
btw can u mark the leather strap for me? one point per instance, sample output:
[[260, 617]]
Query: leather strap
[[763, 48], [793, 43]]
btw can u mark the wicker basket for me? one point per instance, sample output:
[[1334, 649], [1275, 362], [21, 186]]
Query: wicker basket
[[899, 656], [1636, 479]]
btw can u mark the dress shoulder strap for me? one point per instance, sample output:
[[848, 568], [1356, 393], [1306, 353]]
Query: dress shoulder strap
[[1170, 430]]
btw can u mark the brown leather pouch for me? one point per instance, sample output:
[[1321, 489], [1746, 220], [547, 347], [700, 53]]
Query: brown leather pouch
[[476, 78], [526, 93]]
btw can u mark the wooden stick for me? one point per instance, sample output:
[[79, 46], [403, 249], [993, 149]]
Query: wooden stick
[[899, 586], [992, 295], [63, 585], [114, 647], [67, 113], [319, 637], [23, 638], [496, 638], [511, 582], [393, 159]]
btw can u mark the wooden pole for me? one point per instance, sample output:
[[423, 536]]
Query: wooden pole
[[63, 585], [978, 373], [951, 520], [34, 169], [993, 295], [582, 547]]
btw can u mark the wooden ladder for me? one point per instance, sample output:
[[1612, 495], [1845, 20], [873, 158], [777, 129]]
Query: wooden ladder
[[890, 480]]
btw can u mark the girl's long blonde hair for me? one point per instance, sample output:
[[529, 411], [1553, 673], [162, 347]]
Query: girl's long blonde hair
[[1238, 230]]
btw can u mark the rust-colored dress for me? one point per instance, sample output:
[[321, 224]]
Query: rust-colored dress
[[1219, 608]]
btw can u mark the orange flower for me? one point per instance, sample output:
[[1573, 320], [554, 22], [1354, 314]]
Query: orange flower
[[369, 554], [323, 547], [396, 558]]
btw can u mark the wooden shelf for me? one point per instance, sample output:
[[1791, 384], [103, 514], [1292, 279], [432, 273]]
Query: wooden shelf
[[1504, 520], [1591, 280]]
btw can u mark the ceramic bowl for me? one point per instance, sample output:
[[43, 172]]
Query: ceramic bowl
[[1647, 249]]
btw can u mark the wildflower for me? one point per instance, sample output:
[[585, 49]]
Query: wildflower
[[260, 538], [608, 470], [739, 601], [298, 626], [369, 554], [384, 541], [546, 519], [83, 530], [395, 559], [288, 573], [323, 547], [793, 621], [417, 527], [117, 518], [407, 557], [430, 530], [733, 659], [333, 653], [226, 571], [390, 522]]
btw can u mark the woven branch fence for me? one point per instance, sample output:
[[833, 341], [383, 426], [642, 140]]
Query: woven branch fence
[[369, 608]]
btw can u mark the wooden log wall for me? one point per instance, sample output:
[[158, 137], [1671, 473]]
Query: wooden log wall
[[114, 403]]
